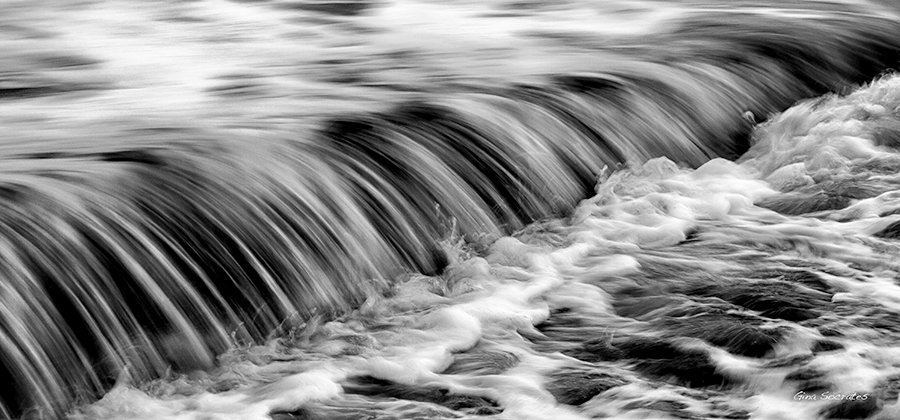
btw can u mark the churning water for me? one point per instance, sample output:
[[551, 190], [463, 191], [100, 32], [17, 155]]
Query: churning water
[[421, 209]]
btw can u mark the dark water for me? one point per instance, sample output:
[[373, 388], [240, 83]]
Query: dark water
[[522, 210]]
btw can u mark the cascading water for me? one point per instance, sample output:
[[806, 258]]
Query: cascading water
[[259, 196]]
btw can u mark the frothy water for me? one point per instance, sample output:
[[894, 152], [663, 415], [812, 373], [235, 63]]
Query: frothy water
[[326, 210]]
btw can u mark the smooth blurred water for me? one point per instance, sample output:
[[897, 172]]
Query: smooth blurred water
[[412, 209]]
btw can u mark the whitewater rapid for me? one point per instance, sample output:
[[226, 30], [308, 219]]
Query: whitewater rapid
[[407, 208], [661, 255]]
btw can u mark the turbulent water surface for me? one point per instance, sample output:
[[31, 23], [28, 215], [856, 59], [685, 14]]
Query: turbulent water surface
[[414, 209]]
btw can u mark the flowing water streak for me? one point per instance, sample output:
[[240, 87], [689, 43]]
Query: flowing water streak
[[149, 244]]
